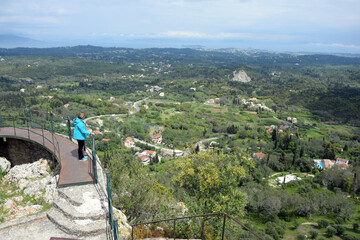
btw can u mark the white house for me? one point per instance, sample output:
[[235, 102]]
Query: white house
[[157, 138], [287, 178], [129, 143]]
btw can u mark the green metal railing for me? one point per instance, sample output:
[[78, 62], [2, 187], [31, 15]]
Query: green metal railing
[[27, 123], [30, 124], [102, 178], [202, 233]]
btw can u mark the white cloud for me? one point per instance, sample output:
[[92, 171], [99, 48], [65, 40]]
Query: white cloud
[[336, 45], [185, 34]]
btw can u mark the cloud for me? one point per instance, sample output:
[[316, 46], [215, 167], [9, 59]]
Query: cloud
[[184, 34], [336, 45], [227, 35]]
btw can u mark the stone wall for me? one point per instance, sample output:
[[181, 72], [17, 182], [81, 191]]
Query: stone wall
[[20, 151]]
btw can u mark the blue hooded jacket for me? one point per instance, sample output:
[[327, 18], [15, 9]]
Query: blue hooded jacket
[[80, 131]]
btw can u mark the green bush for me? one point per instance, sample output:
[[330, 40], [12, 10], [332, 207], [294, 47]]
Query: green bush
[[323, 223], [330, 231], [300, 237], [340, 229], [313, 234], [339, 220], [355, 227]]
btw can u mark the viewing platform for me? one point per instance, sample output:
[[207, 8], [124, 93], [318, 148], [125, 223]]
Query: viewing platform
[[72, 171]]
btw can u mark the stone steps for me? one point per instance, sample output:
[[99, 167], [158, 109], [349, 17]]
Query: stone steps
[[81, 228], [72, 212], [80, 211]]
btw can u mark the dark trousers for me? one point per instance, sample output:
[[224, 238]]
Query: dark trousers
[[81, 144]]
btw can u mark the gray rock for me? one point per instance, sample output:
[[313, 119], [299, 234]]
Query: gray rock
[[27, 171], [240, 76], [5, 165], [9, 204]]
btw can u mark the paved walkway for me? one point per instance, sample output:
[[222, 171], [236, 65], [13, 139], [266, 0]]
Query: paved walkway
[[72, 171]]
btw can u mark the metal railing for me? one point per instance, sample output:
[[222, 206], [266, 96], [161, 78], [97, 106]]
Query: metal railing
[[102, 178], [202, 233], [31, 124]]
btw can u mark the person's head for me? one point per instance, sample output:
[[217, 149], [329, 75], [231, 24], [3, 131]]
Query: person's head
[[81, 115]]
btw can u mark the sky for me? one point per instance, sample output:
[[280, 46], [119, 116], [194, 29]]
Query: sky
[[278, 25]]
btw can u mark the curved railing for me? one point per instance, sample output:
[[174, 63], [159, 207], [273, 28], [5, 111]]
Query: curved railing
[[164, 231], [29, 124]]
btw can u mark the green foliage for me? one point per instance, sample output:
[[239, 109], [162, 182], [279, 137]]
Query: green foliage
[[211, 181], [339, 229], [275, 229], [330, 231], [300, 237], [313, 234], [139, 195], [322, 223]]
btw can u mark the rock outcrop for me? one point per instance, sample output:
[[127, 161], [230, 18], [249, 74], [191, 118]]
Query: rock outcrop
[[240, 76], [34, 178], [34, 183], [5, 165]]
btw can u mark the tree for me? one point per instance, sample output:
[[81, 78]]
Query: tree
[[273, 135], [313, 234], [211, 180], [330, 231], [282, 159]]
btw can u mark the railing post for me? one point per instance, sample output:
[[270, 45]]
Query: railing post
[[108, 187], [174, 230], [94, 160], [52, 121], [202, 229], [69, 128], [42, 131], [14, 126], [116, 234], [31, 118], [27, 124], [223, 230], [0, 120]]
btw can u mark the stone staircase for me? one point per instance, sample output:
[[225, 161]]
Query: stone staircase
[[80, 211]]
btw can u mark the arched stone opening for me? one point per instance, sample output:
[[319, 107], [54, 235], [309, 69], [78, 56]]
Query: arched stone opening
[[19, 151]]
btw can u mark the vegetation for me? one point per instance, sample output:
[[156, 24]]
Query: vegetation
[[217, 123]]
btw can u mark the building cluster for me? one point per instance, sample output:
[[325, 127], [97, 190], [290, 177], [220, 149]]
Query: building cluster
[[153, 88], [292, 120], [255, 106], [327, 163], [147, 155]]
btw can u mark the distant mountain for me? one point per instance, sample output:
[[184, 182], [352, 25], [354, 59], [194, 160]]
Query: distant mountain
[[216, 57], [12, 41]]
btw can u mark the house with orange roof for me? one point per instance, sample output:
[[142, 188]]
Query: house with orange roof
[[157, 138], [96, 132], [105, 140], [341, 162], [129, 143], [259, 155]]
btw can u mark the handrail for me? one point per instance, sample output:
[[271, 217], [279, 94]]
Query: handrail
[[54, 142], [96, 162], [197, 216]]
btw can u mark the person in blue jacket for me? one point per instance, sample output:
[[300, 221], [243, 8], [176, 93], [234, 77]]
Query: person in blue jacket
[[80, 134]]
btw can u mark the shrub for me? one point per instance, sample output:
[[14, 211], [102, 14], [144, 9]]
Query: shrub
[[330, 231], [339, 220], [300, 237], [340, 229], [355, 226], [322, 223], [313, 234], [349, 237]]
